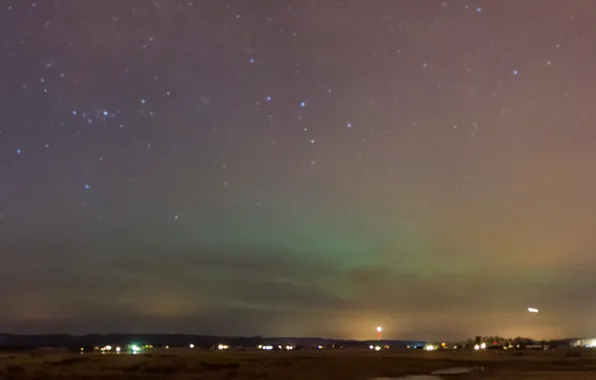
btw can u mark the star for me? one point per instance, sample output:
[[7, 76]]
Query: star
[[87, 186]]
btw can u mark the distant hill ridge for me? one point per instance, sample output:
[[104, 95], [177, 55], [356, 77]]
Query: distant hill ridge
[[173, 340]]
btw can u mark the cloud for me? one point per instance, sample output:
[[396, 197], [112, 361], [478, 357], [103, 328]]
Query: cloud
[[254, 292]]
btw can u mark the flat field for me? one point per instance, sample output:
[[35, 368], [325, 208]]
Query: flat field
[[346, 364]]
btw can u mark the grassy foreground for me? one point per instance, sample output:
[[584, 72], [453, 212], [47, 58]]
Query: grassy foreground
[[305, 365]]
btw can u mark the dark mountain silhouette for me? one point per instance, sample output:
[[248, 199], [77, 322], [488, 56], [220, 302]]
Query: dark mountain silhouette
[[175, 340]]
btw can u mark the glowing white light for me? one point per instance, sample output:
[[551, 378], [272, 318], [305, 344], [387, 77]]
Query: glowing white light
[[192, 345], [483, 346], [289, 348], [135, 348], [108, 348], [532, 310], [429, 348], [377, 348], [371, 347], [117, 349], [379, 329], [476, 347]]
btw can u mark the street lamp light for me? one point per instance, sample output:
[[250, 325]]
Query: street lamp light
[[379, 331]]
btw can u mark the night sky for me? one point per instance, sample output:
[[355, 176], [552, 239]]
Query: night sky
[[306, 167]]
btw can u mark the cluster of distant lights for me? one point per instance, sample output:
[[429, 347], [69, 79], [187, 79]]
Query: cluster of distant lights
[[269, 347], [377, 348], [133, 348], [222, 347], [481, 346]]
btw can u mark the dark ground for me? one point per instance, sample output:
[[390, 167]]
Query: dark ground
[[309, 365]]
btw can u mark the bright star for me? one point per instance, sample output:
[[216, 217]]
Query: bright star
[[87, 186], [478, 9], [268, 98], [105, 113], [302, 104], [74, 112], [18, 151], [515, 72]]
